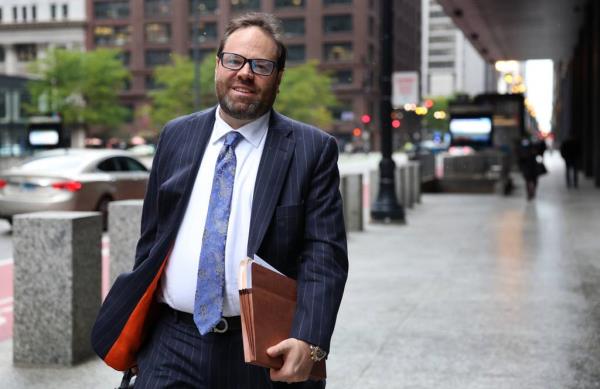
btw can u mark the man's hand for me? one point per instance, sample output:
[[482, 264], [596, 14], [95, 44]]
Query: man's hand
[[296, 360]]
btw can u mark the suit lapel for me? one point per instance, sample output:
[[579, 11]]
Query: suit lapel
[[274, 163]]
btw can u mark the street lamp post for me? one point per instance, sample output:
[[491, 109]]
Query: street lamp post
[[196, 53], [386, 207]]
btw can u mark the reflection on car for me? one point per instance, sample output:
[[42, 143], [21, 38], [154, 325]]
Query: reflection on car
[[71, 180]]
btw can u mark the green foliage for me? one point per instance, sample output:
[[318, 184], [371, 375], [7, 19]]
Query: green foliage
[[305, 95], [82, 86], [440, 103], [175, 96]]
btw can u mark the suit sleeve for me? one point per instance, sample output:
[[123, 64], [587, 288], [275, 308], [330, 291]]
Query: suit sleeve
[[149, 211], [323, 267]]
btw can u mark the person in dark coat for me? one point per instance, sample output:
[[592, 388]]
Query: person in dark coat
[[531, 168], [570, 150]]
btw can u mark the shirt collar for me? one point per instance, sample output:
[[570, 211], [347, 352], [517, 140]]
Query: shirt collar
[[253, 132]]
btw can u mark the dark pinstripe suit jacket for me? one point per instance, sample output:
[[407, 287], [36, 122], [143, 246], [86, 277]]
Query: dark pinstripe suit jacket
[[296, 224]]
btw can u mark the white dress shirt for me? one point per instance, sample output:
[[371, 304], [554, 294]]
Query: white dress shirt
[[181, 272]]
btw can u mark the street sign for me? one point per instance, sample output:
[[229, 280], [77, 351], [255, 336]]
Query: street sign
[[405, 88]]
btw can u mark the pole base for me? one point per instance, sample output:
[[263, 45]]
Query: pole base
[[388, 214]]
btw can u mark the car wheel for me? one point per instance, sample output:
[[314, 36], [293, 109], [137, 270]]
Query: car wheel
[[102, 207]]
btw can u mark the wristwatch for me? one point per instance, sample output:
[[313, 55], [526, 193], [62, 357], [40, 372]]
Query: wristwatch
[[316, 353]]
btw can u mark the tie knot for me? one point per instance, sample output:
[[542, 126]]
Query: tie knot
[[232, 138]]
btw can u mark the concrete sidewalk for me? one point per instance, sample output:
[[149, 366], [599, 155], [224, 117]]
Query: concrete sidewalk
[[476, 291]]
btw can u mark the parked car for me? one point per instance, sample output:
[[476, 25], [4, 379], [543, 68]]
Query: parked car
[[71, 180]]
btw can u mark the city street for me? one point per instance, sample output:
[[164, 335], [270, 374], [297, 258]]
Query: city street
[[476, 291]]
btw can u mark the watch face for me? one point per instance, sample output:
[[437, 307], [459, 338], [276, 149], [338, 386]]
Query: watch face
[[316, 353]]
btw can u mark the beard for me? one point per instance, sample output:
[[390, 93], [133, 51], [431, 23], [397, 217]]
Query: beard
[[246, 109]]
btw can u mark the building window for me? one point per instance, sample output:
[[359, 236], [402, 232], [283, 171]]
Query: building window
[[3, 104], [26, 52], [336, 52], [343, 111], [157, 8], [203, 6], [150, 83], [125, 57], [371, 26], [206, 32], [24, 13], [438, 65], [65, 9], [342, 77], [296, 53], [289, 3], [15, 14], [441, 39], [112, 35], [332, 2], [441, 52], [2, 54], [157, 57], [202, 53], [0, 14], [337, 23], [53, 11], [33, 13], [244, 5], [112, 10], [293, 27], [158, 32]]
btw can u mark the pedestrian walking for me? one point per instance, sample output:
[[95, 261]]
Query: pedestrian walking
[[530, 157], [570, 151], [233, 181]]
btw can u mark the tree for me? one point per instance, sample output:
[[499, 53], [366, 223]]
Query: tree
[[82, 87], [440, 123], [175, 96], [306, 95]]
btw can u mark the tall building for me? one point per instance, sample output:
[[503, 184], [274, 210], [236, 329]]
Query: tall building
[[342, 35], [28, 28], [449, 63]]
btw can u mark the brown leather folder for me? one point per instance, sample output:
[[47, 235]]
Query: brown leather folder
[[267, 305]]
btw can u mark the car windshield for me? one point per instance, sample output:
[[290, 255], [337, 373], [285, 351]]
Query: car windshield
[[55, 164]]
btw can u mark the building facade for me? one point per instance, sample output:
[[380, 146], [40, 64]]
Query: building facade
[[342, 35], [28, 28], [449, 63]]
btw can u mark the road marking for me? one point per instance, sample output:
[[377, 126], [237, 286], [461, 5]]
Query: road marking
[[6, 300], [7, 261], [2, 320], [6, 309]]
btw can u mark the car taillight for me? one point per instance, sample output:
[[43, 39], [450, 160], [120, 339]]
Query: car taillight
[[2, 183], [71, 186]]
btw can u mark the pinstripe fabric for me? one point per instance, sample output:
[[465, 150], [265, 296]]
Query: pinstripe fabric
[[296, 224], [177, 356]]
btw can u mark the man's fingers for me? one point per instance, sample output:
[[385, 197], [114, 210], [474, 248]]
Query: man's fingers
[[277, 350]]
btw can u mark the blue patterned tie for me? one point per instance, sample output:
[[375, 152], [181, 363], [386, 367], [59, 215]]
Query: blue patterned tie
[[208, 303]]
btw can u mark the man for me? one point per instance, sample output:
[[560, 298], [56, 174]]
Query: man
[[226, 183], [570, 150]]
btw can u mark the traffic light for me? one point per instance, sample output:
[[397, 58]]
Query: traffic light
[[396, 123], [365, 119], [357, 132], [428, 103]]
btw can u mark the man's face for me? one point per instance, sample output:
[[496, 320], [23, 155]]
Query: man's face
[[243, 95]]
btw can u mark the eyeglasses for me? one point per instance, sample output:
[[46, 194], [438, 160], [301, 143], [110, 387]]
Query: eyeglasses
[[232, 61]]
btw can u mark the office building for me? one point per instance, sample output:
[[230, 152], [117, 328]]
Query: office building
[[449, 63], [28, 28], [342, 35]]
